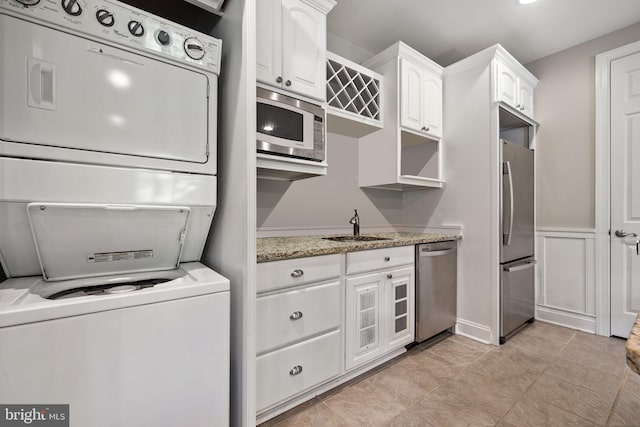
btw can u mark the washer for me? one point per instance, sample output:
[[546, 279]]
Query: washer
[[107, 197]]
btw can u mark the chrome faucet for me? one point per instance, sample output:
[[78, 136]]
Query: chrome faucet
[[356, 223]]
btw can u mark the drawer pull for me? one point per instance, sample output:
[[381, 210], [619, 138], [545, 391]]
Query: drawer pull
[[295, 370], [389, 276], [297, 273], [387, 258], [295, 315]]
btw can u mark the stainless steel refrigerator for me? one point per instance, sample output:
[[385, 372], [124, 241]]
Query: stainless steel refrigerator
[[517, 272]]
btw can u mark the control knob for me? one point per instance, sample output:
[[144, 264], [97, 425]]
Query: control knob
[[28, 2], [163, 38], [136, 28], [72, 7], [105, 18], [194, 48]]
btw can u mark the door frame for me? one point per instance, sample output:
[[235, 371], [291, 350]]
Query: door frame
[[603, 182]]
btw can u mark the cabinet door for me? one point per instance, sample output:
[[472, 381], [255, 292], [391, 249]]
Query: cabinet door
[[525, 92], [269, 41], [507, 85], [400, 307], [363, 317], [303, 49], [432, 104], [411, 95]]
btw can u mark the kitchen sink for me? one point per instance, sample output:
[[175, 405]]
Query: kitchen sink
[[352, 239]]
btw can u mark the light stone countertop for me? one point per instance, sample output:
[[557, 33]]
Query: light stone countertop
[[279, 248], [633, 347]]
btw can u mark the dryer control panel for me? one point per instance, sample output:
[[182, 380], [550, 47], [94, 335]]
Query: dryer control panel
[[124, 25]]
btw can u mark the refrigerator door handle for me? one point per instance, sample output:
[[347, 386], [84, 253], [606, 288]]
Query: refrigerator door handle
[[506, 237], [520, 267]]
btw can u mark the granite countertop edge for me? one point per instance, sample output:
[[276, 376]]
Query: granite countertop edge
[[282, 248], [633, 347]]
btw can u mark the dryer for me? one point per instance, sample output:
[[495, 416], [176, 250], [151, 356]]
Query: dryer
[[108, 125]]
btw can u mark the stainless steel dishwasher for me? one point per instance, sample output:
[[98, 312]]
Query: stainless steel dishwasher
[[436, 288]]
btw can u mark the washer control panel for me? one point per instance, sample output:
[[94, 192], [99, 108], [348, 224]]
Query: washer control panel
[[125, 25]]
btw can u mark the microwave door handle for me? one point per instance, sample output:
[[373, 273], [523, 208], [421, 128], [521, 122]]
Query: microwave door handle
[[506, 238]]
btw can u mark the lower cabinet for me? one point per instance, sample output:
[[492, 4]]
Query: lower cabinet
[[379, 314], [288, 371], [318, 318]]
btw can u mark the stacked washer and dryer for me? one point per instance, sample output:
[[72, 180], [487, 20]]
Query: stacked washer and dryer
[[107, 193]]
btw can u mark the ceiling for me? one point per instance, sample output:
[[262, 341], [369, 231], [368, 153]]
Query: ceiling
[[449, 30]]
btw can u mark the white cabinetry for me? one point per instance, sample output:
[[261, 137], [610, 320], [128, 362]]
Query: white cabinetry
[[406, 153], [514, 88], [298, 339], [421, 99], [291, 45], [379, 305]]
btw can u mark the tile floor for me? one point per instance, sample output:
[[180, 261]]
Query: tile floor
[[544, 376]]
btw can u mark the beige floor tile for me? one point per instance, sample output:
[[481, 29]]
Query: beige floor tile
[[444, 411], [601, 353], [546, 347], [585, 376], [455, 353], [549, 331], [477, 390], [429, 363], [577, 400], [471, 343], [314, 414], [528, 357], [407, 381], [535, 413], [627, 410], [504, 370], [365, 405]]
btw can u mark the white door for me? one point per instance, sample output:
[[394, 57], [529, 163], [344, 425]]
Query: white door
[[625, 193], [363, 312], [269, 42], [303, 49], [400, 309], [411, 95], [507, 85], [432, 104]]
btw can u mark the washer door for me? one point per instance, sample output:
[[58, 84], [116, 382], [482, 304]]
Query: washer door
[[75, 240]]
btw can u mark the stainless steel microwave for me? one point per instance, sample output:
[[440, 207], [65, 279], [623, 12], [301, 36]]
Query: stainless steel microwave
[[289, 127]]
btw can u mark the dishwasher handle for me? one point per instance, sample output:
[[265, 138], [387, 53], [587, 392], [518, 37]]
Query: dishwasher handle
[[525, 266], [427, 252]]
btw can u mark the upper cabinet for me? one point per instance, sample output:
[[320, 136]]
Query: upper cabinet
[[514, 86], [291, 45], [421, 98], [405, 154]]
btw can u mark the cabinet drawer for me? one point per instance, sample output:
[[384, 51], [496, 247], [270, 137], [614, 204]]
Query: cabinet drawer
[[282, 274], [377, 259], [295, 315], [276, 380]]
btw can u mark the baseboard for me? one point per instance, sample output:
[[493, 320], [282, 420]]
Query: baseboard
[[567, 319], [474, 331]]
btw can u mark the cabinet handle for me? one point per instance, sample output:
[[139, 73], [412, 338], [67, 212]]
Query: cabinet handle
[[518, 106], [295, 370], [279, 79], [288, 83], [295, 315], [387, 258], [522, 108], [297, 273], [389, 276]]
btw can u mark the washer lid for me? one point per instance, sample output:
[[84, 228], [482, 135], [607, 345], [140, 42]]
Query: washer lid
[[86, 240]]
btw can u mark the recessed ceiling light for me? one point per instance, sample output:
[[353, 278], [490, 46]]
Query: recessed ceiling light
[[526, 1]]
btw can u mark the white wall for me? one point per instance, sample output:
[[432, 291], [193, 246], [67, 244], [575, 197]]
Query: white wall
[[346, 49], [231, 246], [327, 201], [565, 107]]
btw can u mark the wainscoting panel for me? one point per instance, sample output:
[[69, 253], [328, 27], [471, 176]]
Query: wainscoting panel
[[565, 279]]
